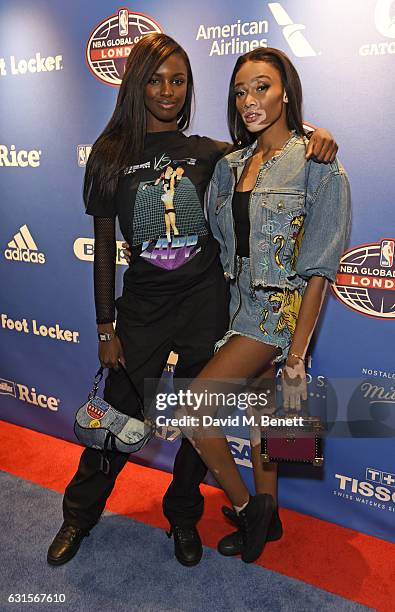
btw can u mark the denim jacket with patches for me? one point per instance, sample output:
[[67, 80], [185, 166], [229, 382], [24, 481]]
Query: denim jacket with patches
[[299, 216]]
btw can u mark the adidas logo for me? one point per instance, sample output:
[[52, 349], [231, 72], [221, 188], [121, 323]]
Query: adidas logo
[[23, 248]]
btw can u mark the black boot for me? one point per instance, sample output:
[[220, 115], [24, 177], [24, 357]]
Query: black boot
[[65, 544], [188, 547], [232, 543], [254, 523]]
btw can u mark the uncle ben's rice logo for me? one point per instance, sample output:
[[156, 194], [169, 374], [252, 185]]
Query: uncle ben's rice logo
[[112, 40], [365, 280]]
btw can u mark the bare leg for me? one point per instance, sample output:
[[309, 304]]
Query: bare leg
[[172, 218], [240, 357], [168, 230], [265, 474]]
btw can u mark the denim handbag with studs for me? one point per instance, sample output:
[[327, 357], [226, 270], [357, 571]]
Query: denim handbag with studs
[[98, 425]]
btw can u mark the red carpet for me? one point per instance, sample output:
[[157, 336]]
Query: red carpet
[[339, 560]]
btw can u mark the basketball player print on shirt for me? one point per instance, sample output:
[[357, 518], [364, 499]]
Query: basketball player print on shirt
[[170, 179], [168, 219]]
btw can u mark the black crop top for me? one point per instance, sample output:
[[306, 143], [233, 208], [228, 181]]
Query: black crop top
[[241, 218]]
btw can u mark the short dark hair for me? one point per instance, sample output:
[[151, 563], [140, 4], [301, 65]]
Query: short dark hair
[[122, 141], [292, 86]]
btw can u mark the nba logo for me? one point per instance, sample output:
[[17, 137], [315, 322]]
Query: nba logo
[[123, 22], [387, 253], [83, 154]]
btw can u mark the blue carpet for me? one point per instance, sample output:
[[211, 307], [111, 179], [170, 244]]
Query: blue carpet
[[125, 565]]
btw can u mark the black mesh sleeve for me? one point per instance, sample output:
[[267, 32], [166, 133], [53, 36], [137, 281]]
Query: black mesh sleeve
[[104, 269]]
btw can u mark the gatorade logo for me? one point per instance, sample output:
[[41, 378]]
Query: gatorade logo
[[384, 20]]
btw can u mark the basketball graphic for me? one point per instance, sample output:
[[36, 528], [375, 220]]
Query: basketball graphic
[[365, 280], [111, 41]]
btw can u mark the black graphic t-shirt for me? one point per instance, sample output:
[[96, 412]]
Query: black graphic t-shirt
[[159, 203]]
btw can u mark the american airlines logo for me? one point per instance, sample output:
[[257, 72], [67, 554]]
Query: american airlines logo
[[292, 31], [23, 248]]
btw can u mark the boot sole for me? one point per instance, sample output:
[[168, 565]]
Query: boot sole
[[235, 552]]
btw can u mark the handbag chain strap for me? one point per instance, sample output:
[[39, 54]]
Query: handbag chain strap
[[98, 378], [96, 383]]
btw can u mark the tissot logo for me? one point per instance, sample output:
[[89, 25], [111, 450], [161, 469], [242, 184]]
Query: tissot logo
[[292, 31], [376, 489], [23, 248], [28, 394]]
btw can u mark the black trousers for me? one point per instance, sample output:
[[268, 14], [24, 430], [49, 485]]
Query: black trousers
[[188, 323]]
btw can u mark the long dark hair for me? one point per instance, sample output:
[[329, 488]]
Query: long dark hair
[[122, 141], [291, 83]]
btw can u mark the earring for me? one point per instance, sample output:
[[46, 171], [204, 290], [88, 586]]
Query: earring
[[285, 97]]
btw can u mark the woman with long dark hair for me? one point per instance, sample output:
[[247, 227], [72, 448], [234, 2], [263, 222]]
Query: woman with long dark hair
[[174, 293], [282, 223]]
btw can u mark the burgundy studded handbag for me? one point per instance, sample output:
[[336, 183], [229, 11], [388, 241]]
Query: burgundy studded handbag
[[301, 444]]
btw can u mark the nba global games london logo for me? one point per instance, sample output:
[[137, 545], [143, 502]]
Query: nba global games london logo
[[111, 41], [365, 280]]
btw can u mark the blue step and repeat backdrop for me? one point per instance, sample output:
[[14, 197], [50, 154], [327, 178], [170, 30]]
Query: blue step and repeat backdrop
[[60, 67]]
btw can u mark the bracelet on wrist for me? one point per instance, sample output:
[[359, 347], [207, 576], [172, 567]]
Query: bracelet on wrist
[[296, 356], [105, 336]]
